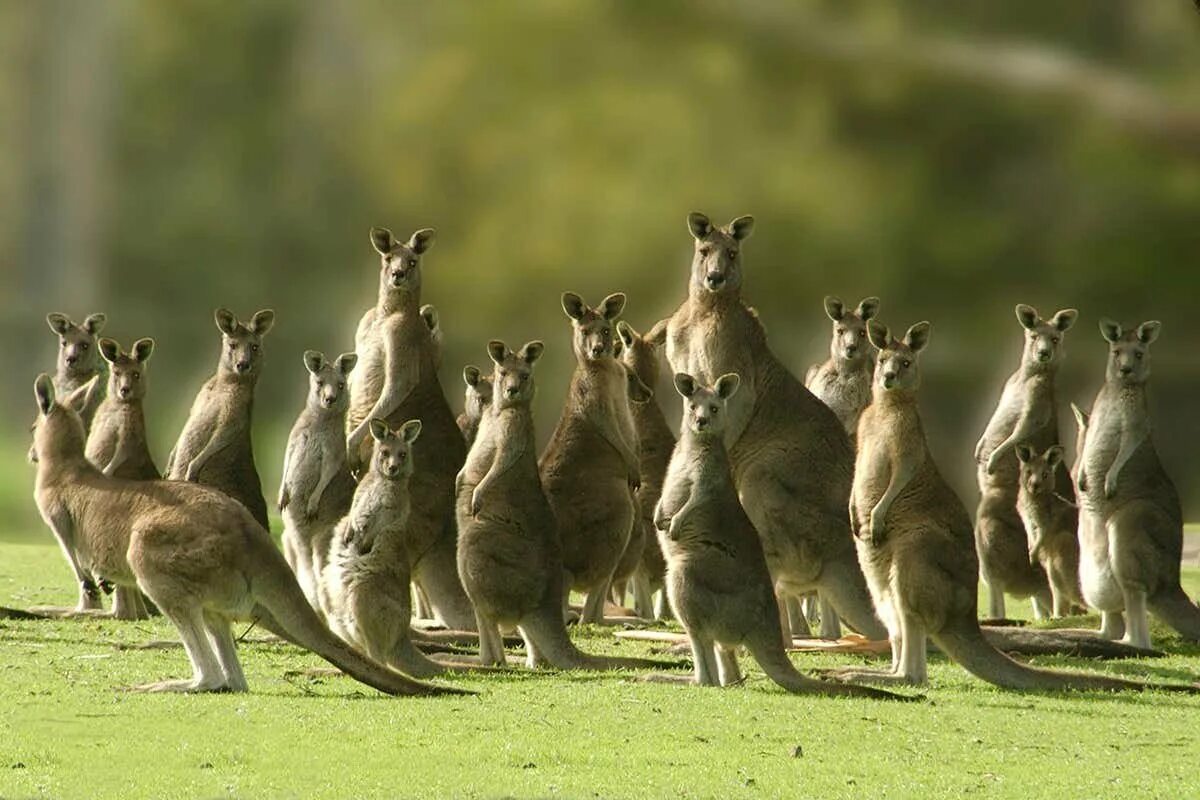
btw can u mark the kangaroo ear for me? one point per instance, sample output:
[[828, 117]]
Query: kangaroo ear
[[262, 322], [430, 315], [346, 362], [879, 335], [531, 352], [379, 430], [1147, 332], [1027, 316], [1081, 417], [226, 321], [143, 349], [613, 305], [109, 349], [685, 384], [627, 334], [699, 224], [868, 308], [573, 305], [639, 392], [410, 430], [834, 308], [497, 350], [742, 227], [59, 323], [314, 361], [918, 336], [93, 323], [1054, 456], [1063, 320], [382, 240], [1024, 453], [1110, 330], [82, 397], [471, 375], [43, 392], [657, 335], [422, 240], [727, 385]]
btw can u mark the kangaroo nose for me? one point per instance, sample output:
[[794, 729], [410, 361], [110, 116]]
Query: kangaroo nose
[[510, 391], [72, 359], [1126, 370], [124, 391], [597, 349], [243, 366], [714, 280], [702, 422], [1043, 355], [851, 349]]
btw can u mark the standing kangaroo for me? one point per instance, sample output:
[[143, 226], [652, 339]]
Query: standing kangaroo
[[1123, 485], [1096, 579], [78, 358], [396, 380], [792, 460], [509, 554], [215, 447], [116, 443], [1027, 413], [717, 576], [590, 467], [475, 402], [1051, 522], [198, 554], [317, 486], [914, 540]]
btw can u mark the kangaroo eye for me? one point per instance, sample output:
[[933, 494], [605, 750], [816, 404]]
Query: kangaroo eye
[[254, 347], [606, 333], [83, 345], [732, 253], [862, 333], [906, 363], [412, 262], [524, 377], [137, 376], [1138, 354], [63, 341], [840, 331], [341, 384], [704, 251], [402, 455], [714, 409], [232, 347], [1054, 339]]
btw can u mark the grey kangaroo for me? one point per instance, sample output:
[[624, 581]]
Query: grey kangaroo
[[78, 358], [1051, 522], [792, 460], [477, 397], [196, 553], [1096, 579], [396, 380], [1124, 487], [215, 447]]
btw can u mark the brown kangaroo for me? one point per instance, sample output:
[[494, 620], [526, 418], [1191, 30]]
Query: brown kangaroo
[[1051, 522]]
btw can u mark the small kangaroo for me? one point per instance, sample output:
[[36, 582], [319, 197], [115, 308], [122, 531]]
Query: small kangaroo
[[509, 554], [396, 380], [478, 397], [116, 443], [1027, 413], [214, 447], [914, 540], [196, 553], [436, 337], [792, 461], [717, 577], [78, 360], [317, 486], [1051, 522], [1096, 579], [590, 467], [655, 444], [1123, 484], [844, 381]]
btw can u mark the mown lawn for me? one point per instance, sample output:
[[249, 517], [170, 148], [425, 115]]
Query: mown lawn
[[67, 730]]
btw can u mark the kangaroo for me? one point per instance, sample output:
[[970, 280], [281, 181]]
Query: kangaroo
[[396, 380], [214, 447], [1027, 413], [844, 381], [1096, 578], [791, 458], [199, 555], [509, 554], [1051, 522], [914, 539], [116, 444], [77, 358], [590, 467], [1123, 484], [478, 396], [655, 444], [717, 577], [317, 486]]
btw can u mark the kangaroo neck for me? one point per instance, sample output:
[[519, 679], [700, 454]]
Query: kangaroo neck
[[707, 450], [399, 301], [724, 300]]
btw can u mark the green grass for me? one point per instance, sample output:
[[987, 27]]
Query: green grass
[[66, 729]]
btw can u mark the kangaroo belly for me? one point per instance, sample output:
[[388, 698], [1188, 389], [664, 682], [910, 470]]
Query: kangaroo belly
[[1096, 577]]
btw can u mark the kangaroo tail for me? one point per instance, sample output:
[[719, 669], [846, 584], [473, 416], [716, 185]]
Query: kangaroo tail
[[1061, 641], [774, 661], [965, 644], [549, 635], [1175, 609]]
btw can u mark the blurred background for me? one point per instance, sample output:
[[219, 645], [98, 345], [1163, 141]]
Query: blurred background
[[954, 157]]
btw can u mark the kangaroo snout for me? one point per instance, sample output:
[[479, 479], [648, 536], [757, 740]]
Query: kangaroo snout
[[242, 366], [510, 391], [714, 280], [398, 276], [124, 391]]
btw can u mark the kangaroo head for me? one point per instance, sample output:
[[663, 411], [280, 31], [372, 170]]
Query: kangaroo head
[[1129, 351], [512, 377], [896, 362], [717, 260], [592, 328], [478, 393], [126, 371], [76, 343], [1037, 469], [704, 406], [241, 343], [639, 353], [58, 431], [1043, 338], [392, 458], [400, 262], [849, 342], [327, 380]]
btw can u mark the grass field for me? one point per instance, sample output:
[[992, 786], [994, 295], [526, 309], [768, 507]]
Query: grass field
[[67, 730]]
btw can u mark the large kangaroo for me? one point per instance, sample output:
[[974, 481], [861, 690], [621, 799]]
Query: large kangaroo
[[197, 553], [1123, 485], [396, 380], [792, 461], [1027, 414]]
